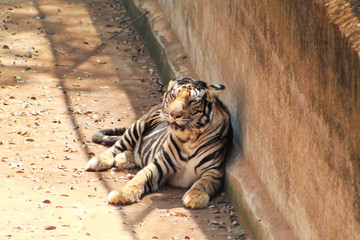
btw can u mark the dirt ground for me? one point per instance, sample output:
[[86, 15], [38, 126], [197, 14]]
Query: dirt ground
[[62, 79]]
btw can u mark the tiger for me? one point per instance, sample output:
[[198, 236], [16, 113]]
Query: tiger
[[182, 142]]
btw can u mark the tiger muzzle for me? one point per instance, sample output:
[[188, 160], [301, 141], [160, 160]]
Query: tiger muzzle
[[176, 109]]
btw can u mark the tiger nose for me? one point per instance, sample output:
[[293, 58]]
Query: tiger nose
[[176, 114]]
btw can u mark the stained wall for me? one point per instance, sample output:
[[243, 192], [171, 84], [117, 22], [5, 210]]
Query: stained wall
[[291, 69]]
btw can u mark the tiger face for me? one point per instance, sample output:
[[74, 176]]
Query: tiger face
[[187, 103]]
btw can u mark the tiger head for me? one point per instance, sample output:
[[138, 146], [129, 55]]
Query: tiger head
[[188, 103]]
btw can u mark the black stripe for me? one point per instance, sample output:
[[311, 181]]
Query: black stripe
[[167, 170], [168, 160], [178, 150], [206, 159], [145, 158], [153, 122], [129, 140], [148, 186], [121, 145], [134, 140], [118, 148], [148, 147], [160, 173], [206, 144], [149, 182], [161, 140], [209, 105], [174, 158], [144, 147], [218, 167], [135, 132]]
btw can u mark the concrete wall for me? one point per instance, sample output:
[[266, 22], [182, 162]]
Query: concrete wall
[[292, 74]]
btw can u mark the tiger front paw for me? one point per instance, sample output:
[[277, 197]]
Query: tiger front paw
[[124, 196], [196, 199], [101, 162]]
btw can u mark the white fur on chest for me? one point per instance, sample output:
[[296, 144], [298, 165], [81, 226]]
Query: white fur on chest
[[185, 175]]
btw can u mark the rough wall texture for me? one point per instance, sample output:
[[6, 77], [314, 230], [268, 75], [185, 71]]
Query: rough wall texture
[[292, 74]]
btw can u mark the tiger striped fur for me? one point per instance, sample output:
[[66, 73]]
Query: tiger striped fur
[[182, 142]]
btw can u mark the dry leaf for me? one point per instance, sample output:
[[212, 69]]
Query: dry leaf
[[180, 215], [50, 228]]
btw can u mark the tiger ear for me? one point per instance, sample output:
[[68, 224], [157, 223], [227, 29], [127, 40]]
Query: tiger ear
[[216, 89], [172, 83]]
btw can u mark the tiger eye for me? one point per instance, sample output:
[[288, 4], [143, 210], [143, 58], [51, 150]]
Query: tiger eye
[[194, 101], [172, 95]]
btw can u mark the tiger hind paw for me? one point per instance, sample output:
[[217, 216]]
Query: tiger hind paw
[[196, 199], [125, 160]]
